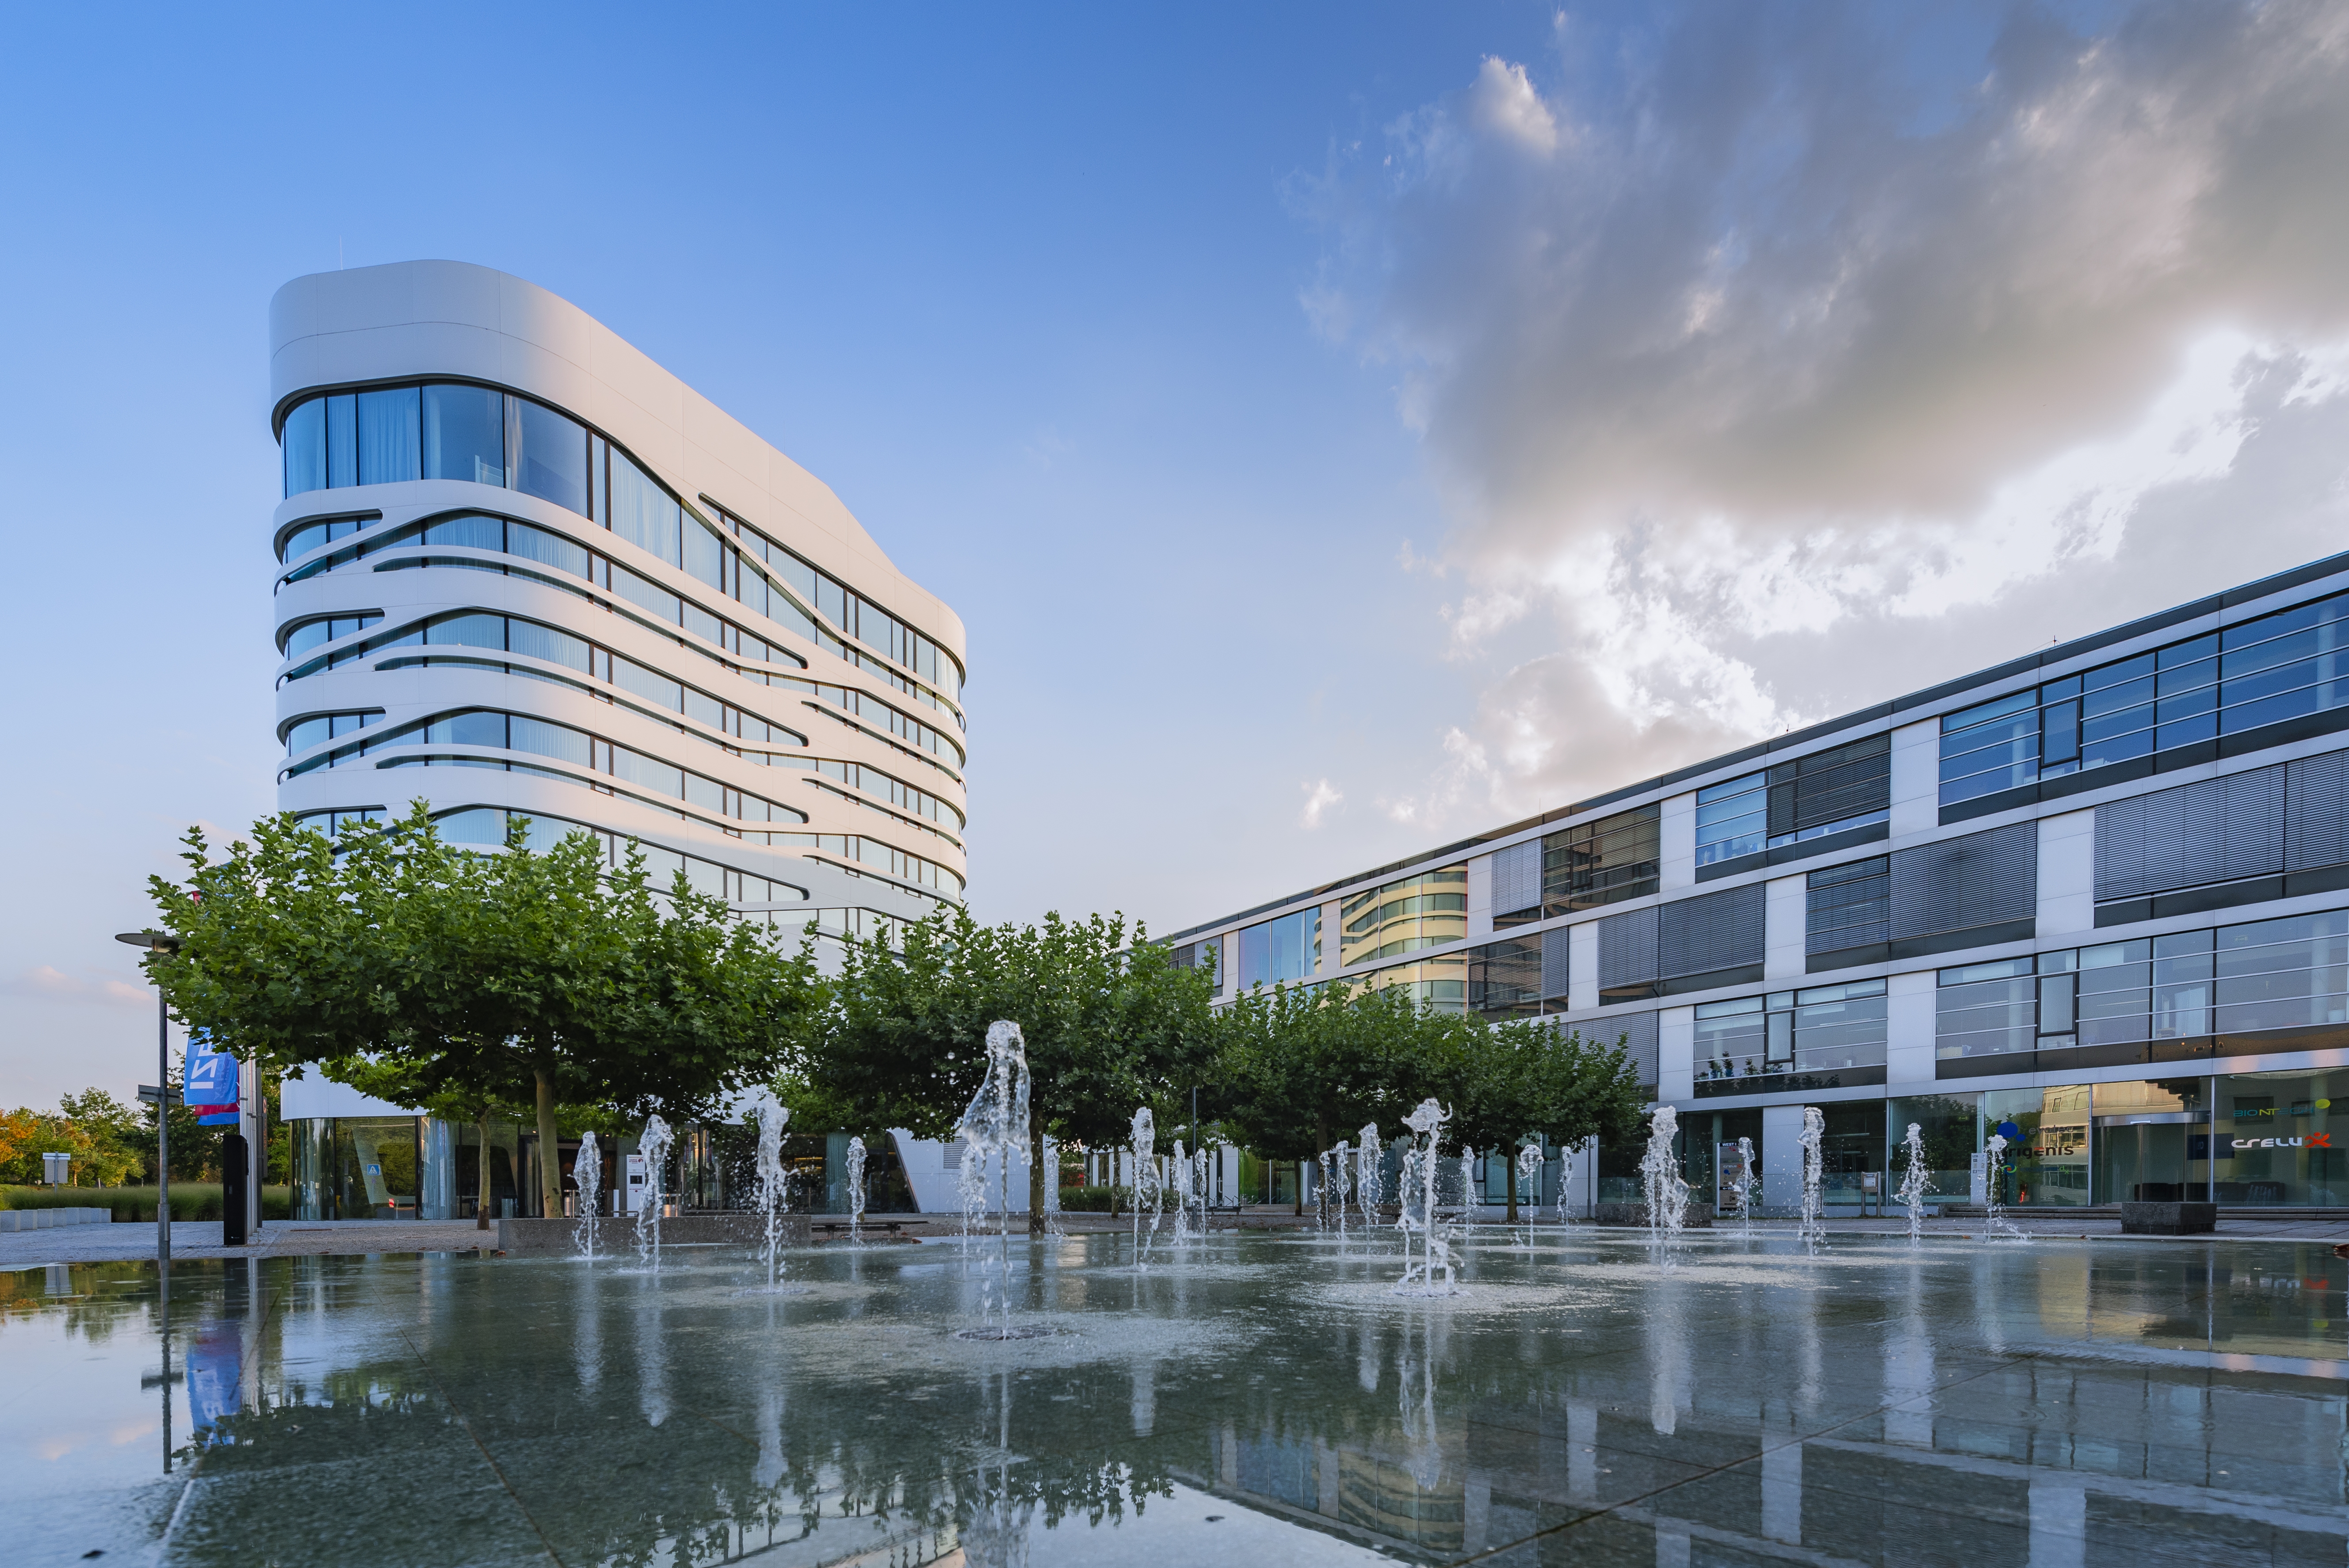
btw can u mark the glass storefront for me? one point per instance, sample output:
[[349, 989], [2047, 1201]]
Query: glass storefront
[[1949, 1130], [373, 1168], [2275, 1140]]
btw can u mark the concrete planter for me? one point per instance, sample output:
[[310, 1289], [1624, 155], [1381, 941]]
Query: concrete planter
[[1700, 1216], [48, 1219], [2168, 1219], [614, 1237]]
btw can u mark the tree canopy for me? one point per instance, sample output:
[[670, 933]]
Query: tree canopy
[[442, 975], [1109, 1023]]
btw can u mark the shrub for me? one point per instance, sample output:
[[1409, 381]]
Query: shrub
[[190, 1201], [1097, 1199]]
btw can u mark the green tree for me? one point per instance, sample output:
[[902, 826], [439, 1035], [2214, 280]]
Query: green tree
[[1109, 1023], [1302, 1067], [473, 979]]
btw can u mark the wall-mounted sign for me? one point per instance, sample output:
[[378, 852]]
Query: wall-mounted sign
[[2312, 1140]]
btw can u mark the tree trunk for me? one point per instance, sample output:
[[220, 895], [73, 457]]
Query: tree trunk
[[482, 1203], [1513, 1191], [1036, 1178], [1300, 1188], [550, 1154]]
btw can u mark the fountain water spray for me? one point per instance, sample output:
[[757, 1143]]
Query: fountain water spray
[[1529, 1164], [1339, 1165], [1144, 1137], [771, 1191], [970, 1187], [1743, 1187], [1418, 1216], [1565, 1179], [1916, 1182], [1469, 1196], [855, 1192], [1370, 1175], [587, 1169], [1814, 1127], [1660, 1175], [653, 1144], [1180, 1175], [1994, 1211], [996, 1123], [1321, 1190]]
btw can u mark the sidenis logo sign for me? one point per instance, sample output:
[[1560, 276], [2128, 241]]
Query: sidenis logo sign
[[2312, 1140]]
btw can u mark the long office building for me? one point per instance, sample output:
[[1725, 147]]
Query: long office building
[[2094, 900], [522, 571]]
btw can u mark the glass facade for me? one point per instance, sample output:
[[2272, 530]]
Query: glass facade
[[1505, 978], [1826, 1032], [1424, 910], [1830, 791], [2292, 664], [1280, 951], [633, 594], [1602, 862], [443, 431], [373, 1168], [2188, 994], [1438, 982]]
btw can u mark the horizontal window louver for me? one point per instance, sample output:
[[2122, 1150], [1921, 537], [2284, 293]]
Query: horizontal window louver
[[1719, 931], [1553, 962], [1516, 877], [1848, 781], [1626, 949], [2316, 813], [2217, 831], [1848, 906], [1638, 1048], [1981, 879]]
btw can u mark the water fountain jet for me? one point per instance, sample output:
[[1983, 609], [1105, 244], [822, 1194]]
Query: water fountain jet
[[1666, 1191], [855, 1192], [653, 1144], [587, 1169], [1916, 1182], [1814, 1127]]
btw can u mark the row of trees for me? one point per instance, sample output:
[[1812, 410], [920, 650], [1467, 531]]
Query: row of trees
[[520, 982], [477, 984]]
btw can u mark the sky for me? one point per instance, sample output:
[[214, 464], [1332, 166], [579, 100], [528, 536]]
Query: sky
[[1341, 428]]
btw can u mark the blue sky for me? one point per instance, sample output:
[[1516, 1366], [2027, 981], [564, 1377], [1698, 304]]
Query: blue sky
[[1341, 427]]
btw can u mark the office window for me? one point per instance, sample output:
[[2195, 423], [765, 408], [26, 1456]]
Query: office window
[[1606, 861], [1281, 951], [2288, 668], [1831, 791], [1969, 888], [1849, 906], [1733, 819], [1440, 985], [1505, 978], [1822, 1029], [1516, 884], [1987, 1009]]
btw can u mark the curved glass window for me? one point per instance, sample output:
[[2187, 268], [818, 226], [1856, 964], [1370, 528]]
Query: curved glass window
[[441, 431], [487, 825], [490, 730], [305, 733], [323, 629]]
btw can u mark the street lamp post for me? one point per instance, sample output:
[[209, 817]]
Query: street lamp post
[[156, 941]]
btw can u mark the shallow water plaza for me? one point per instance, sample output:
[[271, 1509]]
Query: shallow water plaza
[[1585, 1396]]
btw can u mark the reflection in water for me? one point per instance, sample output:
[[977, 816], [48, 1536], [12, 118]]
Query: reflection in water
[[1961, 1403], [652, 1356]]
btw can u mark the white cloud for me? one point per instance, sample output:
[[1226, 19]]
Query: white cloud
[[1319, 796], [51, 984], [1759, 351]]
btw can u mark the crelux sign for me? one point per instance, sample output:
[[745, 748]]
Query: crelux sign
[[2314, 1141]]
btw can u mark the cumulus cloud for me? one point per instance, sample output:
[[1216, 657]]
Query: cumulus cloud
[[1320, 797], [51, 984], [1761, 331]]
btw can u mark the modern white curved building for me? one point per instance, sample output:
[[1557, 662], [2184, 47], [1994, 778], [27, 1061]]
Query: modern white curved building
[[522, 569]]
